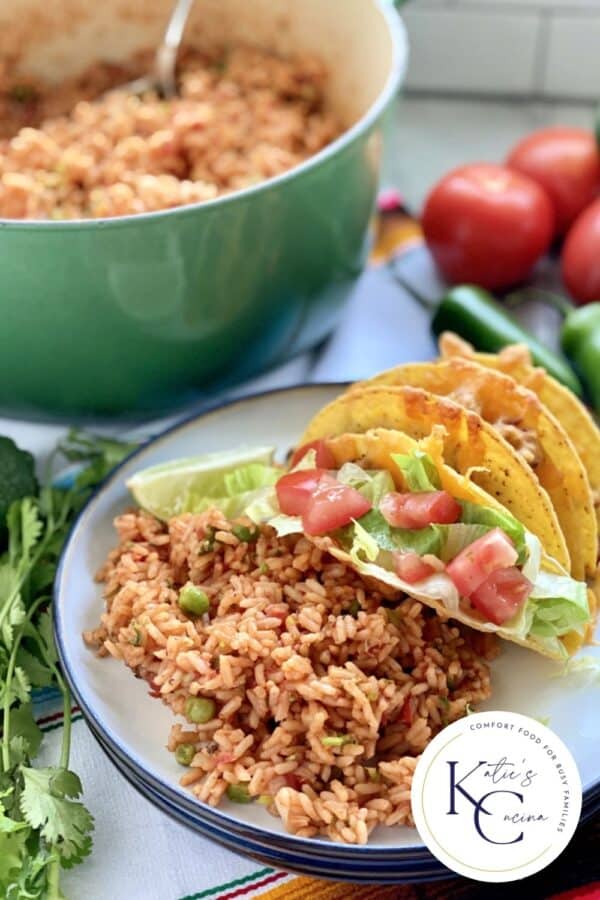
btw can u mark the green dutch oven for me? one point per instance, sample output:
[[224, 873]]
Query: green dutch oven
[[137, 314]]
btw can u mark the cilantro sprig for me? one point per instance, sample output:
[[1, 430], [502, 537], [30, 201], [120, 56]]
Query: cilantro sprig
[[43, 824]]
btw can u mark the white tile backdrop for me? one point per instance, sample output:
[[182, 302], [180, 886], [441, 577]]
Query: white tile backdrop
[[529, 48]]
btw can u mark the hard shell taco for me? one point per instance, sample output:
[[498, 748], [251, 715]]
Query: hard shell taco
[[515, 361], [471, 446], [529, 427], [391, 507]]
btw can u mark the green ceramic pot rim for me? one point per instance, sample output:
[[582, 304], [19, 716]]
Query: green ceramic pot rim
[[396, 75]]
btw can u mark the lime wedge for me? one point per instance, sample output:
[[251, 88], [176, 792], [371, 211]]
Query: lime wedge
[[189, 484]]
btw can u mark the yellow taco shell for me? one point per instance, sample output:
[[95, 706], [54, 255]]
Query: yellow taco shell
[[523, 420]]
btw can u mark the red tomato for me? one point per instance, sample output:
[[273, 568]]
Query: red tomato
[[486, 224], [407, 713], [420, 510], [501, 594], [410, 567], [324, 457], [487, 554], [580, 260], [294, 781], [566, 163], [332, 505], [295, 488]]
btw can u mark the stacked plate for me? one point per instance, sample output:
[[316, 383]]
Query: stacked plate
[[132, 727]]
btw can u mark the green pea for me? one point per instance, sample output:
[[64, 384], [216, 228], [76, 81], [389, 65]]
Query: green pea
[[239, 793], [245, 534], [193, 601], [355, 608], [185, 754], [200, 710], [137, 636], [337, 740], [393, 617]]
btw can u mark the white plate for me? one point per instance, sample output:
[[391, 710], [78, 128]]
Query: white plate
[[136, 726]]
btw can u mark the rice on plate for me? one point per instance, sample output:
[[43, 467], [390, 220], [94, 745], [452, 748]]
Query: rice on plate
[[305, 686]]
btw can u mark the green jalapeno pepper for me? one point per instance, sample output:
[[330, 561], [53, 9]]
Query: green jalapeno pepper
[[476, 316], [580, 340]]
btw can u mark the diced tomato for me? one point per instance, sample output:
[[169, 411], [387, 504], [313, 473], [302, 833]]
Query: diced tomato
[[499, 597], [295, 488], [420, 510], [332, 505], [224, 758], [324, 457], [410, 566], [294, 781], [407, 713], [487, 554]]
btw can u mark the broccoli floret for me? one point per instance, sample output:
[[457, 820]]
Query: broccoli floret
[[17, 477]]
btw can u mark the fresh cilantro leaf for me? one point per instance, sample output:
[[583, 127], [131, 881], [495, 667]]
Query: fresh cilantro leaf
[[42, 824], [20, 686], [12, 610], [102, 455], [24, 529], [42, 575], [39, 674], [46, 633], [13, 852], [18, 750], [24, 726], [47, 805], [10, 826]]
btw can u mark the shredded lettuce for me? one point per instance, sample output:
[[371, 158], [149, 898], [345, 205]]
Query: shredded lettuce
[[443, 541], [373, 485], [286, 525], [533, 563], [419, 470], [560, 605], [473, 514], [255, 482], [457, 537], [557, 604], [370, 561], [363, 546], [249, 478], [422, 540]]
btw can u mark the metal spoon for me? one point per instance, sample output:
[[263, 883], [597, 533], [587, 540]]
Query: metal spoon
[[162, 77]]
